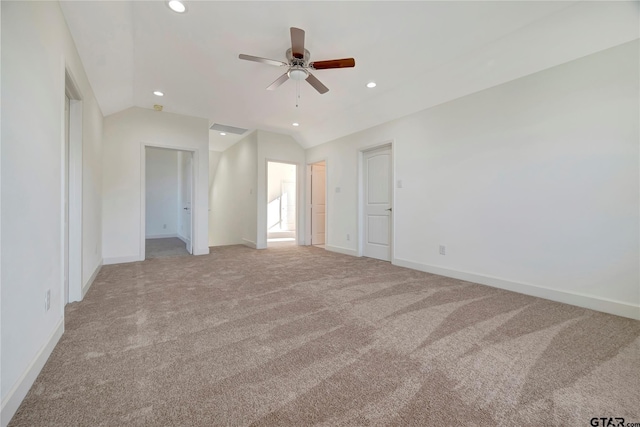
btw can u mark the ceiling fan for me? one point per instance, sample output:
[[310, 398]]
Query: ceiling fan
[[299, 65]]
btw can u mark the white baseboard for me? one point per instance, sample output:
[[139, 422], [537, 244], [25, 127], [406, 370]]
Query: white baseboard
[[201, 251], [581, 300], [87, 285], [18, 392], [121, 259], [249, 243], [162, 236], [341, 250]]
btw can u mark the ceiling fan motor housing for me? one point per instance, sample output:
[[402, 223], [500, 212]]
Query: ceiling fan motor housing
[[298, 61]]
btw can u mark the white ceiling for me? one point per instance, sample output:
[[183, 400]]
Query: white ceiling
[[420, 54]]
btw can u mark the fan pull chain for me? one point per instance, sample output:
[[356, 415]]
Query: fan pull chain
[[297, 92]]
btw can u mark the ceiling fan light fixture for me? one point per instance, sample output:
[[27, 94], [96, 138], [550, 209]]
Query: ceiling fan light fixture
[[177, 6], [298, 74]]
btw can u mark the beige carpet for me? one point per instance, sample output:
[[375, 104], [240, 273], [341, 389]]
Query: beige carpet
[[301, 336], [166, 247]]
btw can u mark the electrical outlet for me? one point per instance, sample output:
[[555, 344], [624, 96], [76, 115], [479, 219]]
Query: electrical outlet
[[164, 226], [399, 183], [443, 250], [47, 300], [348, 237], [337, 189]]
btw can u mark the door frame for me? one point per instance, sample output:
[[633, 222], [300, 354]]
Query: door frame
[[308, 201], [195, 153], [360, 220], [73, 164]]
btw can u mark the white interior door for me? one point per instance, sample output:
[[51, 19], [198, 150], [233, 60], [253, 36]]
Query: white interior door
[[318, 203], [377, 203], [187, 187]]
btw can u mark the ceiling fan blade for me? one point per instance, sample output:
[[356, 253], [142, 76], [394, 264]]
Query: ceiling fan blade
[[317, 84], [262, 60], [283, 78], [333, 63], [297, 43]]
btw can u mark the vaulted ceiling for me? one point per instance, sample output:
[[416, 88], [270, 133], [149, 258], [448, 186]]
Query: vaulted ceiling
[[419, 53]]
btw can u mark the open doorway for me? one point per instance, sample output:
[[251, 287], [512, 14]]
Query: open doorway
[[281, 203], [168, 199], [318, 221]]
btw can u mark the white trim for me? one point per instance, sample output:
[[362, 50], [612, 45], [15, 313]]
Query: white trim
[[581, 300], [249, 243], [163, 236], [200, 251], [121, 259], [341, 250], [87, 285], [20, 389]]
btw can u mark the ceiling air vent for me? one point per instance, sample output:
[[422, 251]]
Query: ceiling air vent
[[227, 129]]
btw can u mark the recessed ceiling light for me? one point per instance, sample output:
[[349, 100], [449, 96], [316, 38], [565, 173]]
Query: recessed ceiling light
[[296, 124], [158, 93], [371, 85], [177, 6], [222, 133]]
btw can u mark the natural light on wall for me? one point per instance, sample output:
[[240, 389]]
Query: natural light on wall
[[281, 202]]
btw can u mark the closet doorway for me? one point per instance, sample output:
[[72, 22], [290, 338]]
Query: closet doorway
[[168, 202]]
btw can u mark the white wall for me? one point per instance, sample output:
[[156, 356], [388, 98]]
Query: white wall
[[161, 192], [214, 159], [531, 185], [125, 134], [233, 194], [278, 148], [36, 49], [92, 122], [239, 194]]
